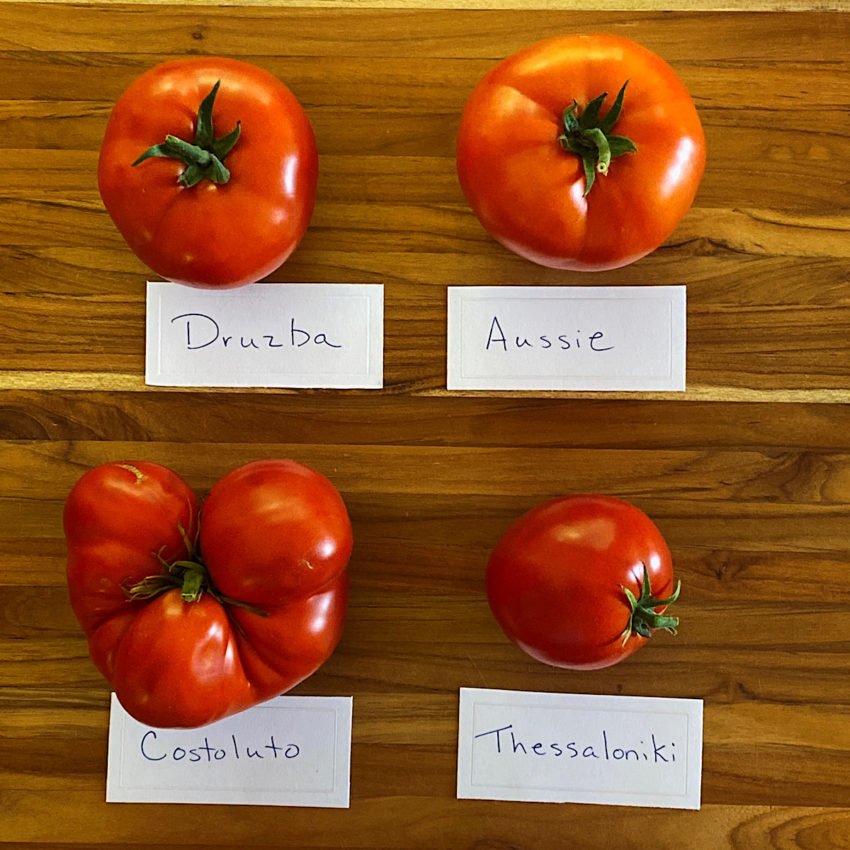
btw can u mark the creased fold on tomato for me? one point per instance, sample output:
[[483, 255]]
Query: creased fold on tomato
[[292, 641]]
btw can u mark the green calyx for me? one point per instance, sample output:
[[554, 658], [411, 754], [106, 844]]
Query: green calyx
[[190, 576], [588, 135], [203, 158], [643, 619]]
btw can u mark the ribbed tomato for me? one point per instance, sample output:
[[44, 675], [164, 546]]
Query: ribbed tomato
[[191, 628]]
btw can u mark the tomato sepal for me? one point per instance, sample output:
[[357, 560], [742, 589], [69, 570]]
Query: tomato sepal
[[191, 577], [203, 158], [589, 136], [644, 620]]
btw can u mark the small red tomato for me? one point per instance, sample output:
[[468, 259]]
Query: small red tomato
[[581, 152], [581, 581], [208, 168]]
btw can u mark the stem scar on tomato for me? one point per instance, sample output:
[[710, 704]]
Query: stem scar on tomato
[[204, 159], [135, 470], [643, 618], [589, 136]]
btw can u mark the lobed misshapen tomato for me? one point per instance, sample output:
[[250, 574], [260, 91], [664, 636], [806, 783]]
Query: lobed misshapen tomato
[[581, 581], [581, 152], [187, 637], [209, 167]]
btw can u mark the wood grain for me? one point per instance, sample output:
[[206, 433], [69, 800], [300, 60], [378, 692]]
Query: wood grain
[[763, 252], [749, 481]]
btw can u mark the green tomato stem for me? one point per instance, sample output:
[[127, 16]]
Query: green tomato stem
[[190, 576], [644, 619], [203, 158], [588, 135]]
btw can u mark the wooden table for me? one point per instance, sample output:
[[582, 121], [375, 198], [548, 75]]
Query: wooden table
[[747, 473]]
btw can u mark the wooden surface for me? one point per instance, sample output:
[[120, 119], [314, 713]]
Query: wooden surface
[[747, 474]]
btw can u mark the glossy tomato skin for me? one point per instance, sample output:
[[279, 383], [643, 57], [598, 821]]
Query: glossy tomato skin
[[176, 663], [306, 537], [210, 235], [529, 193], [554, 579]]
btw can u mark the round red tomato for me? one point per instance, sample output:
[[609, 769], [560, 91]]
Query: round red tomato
[[208, 168], [187, 633], [581, 152], [581, 581]]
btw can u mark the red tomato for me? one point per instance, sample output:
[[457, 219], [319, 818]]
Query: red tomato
[[208, 168], [185, 639], [581, 152], [581, 581]]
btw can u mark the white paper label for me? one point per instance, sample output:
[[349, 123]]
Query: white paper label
[[542, 747], [265, 335], [626, 338], [290, 751]]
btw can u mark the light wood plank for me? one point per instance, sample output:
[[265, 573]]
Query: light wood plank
[[749, 481]]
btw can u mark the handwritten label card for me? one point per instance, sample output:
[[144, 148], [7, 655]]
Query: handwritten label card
[[290, 751], [265, 335], [572, 748], [627, 338]]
